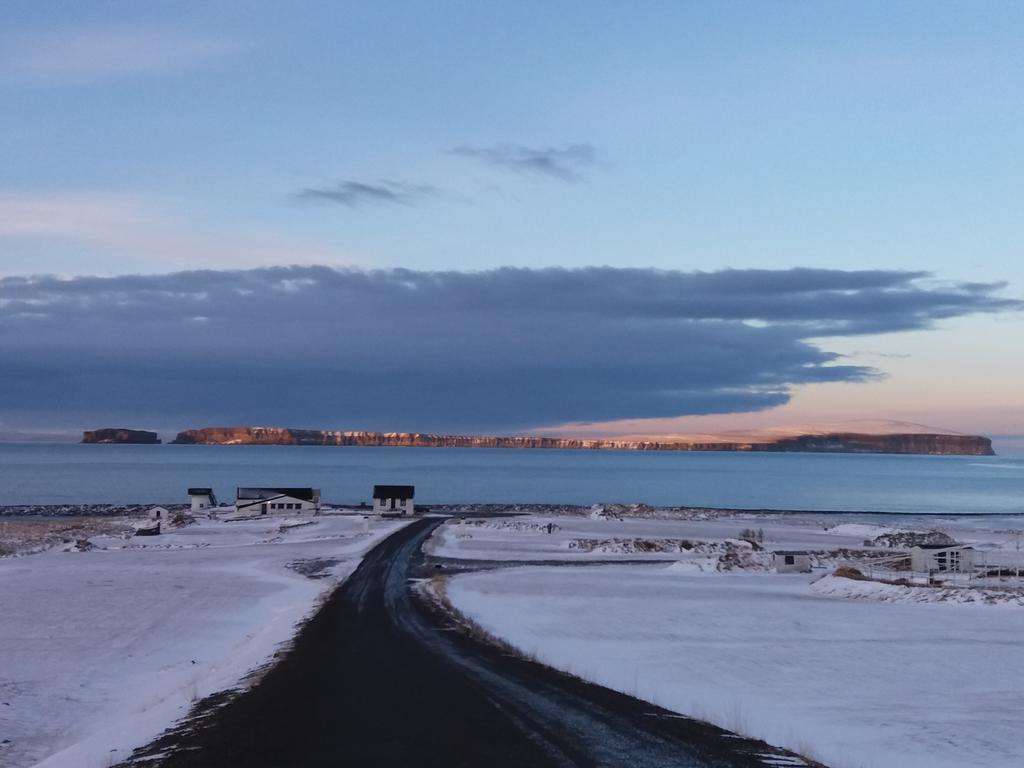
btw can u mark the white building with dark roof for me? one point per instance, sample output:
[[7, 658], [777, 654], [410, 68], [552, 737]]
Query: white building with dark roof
[[202, 498], [791, 561], [394, 499], [263, 501]]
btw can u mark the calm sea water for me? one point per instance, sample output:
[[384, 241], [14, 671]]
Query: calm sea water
[[55, 473]]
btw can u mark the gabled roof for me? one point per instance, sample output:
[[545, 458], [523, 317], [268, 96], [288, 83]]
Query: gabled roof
[[941, 546], [394, 491], [790, 552], [262, 494]]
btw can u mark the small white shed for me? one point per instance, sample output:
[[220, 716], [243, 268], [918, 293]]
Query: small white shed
[[159, 513], [202, 498], [394, 499], [791, 561], [941, 558]]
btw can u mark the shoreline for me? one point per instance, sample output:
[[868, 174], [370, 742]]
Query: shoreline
[[50, 511]]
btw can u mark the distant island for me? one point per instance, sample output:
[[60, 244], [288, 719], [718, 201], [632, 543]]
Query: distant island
[[120, 435], [933, 443]]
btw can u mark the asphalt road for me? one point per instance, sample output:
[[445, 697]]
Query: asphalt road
[[379, 679]]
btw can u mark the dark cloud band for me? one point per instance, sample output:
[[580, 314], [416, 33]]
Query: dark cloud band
[[506, 349]]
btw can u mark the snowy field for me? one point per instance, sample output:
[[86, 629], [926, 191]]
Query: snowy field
[[852, 679], [573, 537], [104, 649], [577, 537]]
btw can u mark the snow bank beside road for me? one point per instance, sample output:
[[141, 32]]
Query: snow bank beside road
[[853, 683], [103, 650]]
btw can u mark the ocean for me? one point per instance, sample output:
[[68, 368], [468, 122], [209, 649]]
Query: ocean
[[62, 473]]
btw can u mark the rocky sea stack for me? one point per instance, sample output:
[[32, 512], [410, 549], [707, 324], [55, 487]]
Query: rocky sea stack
[[120, 435]]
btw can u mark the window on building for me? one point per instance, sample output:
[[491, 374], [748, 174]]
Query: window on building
[[790, 560]]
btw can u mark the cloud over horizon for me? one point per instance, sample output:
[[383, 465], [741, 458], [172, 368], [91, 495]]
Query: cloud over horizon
[[502, 350]]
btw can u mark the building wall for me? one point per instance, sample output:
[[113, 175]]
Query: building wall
[[278, 506], [200, 503], [402, 507], [942, 561], [800, 564]]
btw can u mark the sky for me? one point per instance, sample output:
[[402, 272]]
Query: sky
[[570, 218]]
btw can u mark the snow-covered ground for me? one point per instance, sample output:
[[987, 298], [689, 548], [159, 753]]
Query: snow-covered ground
[[104, 649], [853, 682], [559, 537]]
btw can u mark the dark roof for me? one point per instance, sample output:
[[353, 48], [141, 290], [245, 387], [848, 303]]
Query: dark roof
[[306, 494], [790, 552], [941, 546], [394, 491], [200, 491]]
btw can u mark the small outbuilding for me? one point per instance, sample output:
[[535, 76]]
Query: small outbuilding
[[202, 498], [159, 513], [394, 499], [791, 561], [264, 501], [941, 558]]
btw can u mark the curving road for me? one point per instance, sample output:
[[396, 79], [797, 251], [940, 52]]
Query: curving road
[[377, 679]]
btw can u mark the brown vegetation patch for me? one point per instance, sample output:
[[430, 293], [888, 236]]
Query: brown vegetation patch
[[30, 536], [848, 572], [903, 539]]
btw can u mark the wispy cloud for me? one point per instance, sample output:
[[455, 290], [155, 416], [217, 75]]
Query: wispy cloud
[[354, 194], [72, 215], [135, 232], [505, 349], [96, 53], [565, 163]]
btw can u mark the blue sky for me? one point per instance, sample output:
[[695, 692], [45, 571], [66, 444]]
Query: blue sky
[[158, 137]]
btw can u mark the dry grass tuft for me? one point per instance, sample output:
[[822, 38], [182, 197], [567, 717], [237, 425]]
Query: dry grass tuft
[[848, 572]]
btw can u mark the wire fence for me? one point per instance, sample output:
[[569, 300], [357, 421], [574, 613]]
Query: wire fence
[[952, 566]]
